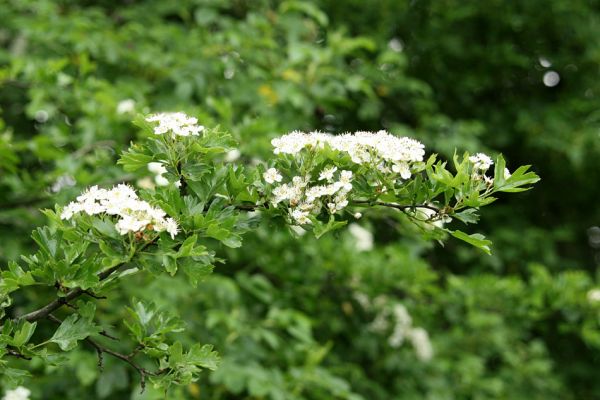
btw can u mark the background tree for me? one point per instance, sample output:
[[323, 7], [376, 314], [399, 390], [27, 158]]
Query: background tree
[[297, 318]]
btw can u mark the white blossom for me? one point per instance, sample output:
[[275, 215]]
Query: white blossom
[[327, 174], [62, 182], [507, 173], [481, 162], [134, 215], [421, 343], [403, 169], [361, 146], [178, 123], [157, 168], [362, 236], [593, 296], [161, 180], [363, 300], [301, 217], [403, 330], [346, 179], [19, 393], [272, 175], [232, 155], [126, 106]]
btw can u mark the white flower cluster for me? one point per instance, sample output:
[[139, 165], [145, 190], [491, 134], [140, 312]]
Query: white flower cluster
[[362, 236], [386, 152], [593, 295], [19, 393], [402, 329], [481, 163], [159, 170], [178, 123], [126, 106], [134, 215], [272, 176], [304, 199]]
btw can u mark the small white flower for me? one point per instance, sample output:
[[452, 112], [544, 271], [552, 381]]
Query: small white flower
[[403, 169], [171, 227], [593, 296], [126, 106], [327, 174], [161, 180], [298, 230], [420, 341], [357, 215], [272, 175], [19, 393], [157, 168], [232, 155], [481, 162], [507, 173], [62, 182], [301, 217], [363, 237], [178, 123]]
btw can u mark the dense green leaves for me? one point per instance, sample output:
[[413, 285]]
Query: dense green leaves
[[292, 317], [73, 329]]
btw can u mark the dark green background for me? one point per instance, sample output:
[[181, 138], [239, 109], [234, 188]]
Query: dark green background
[[282, 311]]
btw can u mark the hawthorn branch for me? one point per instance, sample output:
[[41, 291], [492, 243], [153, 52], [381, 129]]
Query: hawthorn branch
[[16, 354], [101, 350], [43, 312], [58, 303], [400, 207]]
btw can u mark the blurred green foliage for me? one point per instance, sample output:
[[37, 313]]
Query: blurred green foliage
[[288, 315]]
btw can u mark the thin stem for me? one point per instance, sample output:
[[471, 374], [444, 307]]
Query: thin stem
[[75, 293], [400, 207], [100, 350], [15, 353]]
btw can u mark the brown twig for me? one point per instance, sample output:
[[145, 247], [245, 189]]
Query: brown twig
[[15, 353], [56, 304], [73, 294], [400, 207], [100, 350]]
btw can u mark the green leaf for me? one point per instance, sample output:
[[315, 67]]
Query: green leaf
[[106, 228], [73, 329], [518, 179], [170, 263], [319, 228], [134, 158], [476, 239], [187, 246], [13, 375], [47, 240], [499, 171], [307, 8], [468, 216], [203, 356], [175, 354], [23, 334], [196, 271]]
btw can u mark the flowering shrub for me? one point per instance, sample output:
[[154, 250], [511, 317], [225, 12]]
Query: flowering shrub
[[315, 182]]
